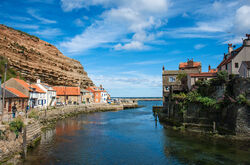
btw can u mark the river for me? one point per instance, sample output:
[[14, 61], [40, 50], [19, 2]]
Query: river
[[129, 137]]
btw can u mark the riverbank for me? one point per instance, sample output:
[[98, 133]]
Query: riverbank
[[200, 130], [13, 145]]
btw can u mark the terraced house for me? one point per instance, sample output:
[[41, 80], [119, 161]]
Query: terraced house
[[233, 60], [35, 94], [68, 95]]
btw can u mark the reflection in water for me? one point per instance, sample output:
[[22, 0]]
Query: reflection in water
[[128, 137]]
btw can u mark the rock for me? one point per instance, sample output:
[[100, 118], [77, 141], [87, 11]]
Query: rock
[[35, 58], [11, 136]]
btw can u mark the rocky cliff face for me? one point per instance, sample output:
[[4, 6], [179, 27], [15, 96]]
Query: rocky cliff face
[[35, 58]]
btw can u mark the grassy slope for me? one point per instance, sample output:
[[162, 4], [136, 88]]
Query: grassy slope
[[10, 72]]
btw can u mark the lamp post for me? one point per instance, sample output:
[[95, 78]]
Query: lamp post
[[3, 96]]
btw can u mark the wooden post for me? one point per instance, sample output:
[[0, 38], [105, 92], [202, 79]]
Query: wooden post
[[25, 142]]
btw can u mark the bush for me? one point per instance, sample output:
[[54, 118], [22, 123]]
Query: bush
[[16, 126], [34, 114], [242, 100]]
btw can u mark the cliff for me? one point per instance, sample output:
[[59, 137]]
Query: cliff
[[34, 58]]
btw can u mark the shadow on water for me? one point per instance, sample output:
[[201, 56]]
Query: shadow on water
[[128, 137]]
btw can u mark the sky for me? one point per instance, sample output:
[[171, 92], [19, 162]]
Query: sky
[[123, 44]]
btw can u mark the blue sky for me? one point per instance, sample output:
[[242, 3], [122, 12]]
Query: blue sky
[[123, 44]]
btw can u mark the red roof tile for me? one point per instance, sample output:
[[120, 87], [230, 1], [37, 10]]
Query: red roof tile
[[94, 89], [23, 83], [16, 92], [38, 90], [213, 71], [185, 64], [203, 74], [68, 91]]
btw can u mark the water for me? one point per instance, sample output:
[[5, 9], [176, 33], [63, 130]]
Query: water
[[129, 137]]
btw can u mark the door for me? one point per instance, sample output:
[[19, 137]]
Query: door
[[9, 107]]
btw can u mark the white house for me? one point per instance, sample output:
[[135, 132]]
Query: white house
[[50, 93], [233, 59], [37, 97], [104, 96]]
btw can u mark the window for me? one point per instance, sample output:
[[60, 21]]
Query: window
[[172, 79], [226, 66], [236, 65]]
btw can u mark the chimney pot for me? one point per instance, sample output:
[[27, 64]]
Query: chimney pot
[[209, 67], [230, 48]]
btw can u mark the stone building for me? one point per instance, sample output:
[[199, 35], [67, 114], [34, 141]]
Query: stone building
[[190, 66], [13, 96], [170, 82], [86, 96], [193, 77], [169, 77], [35, 94], [96, 92], [245, 69], [68, 95], [234, 58]]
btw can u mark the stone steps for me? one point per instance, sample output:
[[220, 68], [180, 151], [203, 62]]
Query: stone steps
[[33, 131]]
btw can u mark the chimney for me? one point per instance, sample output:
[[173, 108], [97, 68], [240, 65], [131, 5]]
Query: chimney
[[101, 86], [209, 67], [190, 63], [38, 81], [246, 42], [163, 68], [230, 48]]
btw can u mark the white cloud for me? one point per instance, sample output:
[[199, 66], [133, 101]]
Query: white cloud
[[49, 33], [23, 26], [43, 20], [199, 46], [242, 19], [79, 22], [130, 81], [151, 62], [120, 19], [134, 45]]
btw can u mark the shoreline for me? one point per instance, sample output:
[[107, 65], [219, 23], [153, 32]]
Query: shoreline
[[13, 150], [199, 132]]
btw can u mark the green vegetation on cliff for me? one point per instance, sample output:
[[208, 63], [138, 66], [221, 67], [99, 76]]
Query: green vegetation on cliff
[[11, 73]]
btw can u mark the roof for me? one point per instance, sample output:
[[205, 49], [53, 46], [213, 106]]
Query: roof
[[234, 53], [203, 74], [93, 89], [247, 63], [16, 92], [185, 65], [23, 83], [67, 91], [38, 90], [213, 71]]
